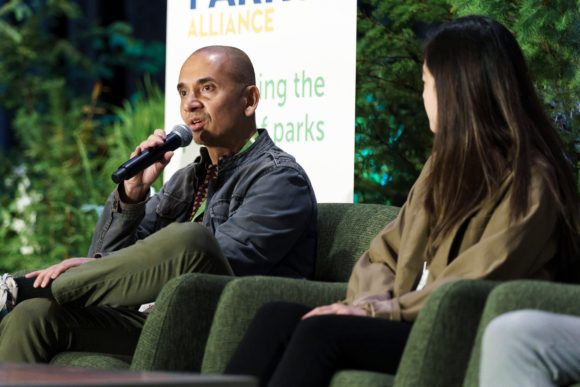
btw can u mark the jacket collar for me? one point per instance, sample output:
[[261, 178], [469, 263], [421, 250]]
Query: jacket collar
[[262, 144]]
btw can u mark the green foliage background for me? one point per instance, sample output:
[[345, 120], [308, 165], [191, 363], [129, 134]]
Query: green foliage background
[[69, 141], [392, 134]]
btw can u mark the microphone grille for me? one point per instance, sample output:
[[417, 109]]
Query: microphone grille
[[184, 134]]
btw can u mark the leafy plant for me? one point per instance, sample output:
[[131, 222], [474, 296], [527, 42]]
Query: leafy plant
[[549, 34], [135, 120], [69, 141], [392, 133], [58, 171], [50, 211], [33, 54]]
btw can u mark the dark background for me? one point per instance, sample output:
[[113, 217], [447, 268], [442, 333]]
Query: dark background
[[148, 20]]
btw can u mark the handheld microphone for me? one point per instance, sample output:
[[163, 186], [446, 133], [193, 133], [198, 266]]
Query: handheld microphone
[[179, 136]]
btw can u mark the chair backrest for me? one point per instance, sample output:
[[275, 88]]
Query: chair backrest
[[344, 233]]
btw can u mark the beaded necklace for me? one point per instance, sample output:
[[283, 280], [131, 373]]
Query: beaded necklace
[[201, 194], [211, 173]]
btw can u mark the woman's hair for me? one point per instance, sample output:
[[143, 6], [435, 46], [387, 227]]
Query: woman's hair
[[490, 123]]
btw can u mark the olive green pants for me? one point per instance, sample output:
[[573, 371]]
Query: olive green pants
[[95, 308]]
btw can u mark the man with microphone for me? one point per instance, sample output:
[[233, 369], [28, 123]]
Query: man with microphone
[[242, 207]]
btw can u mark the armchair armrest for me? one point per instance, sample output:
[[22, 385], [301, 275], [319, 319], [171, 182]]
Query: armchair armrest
[[175, 332], [242, 298], [438, 348]]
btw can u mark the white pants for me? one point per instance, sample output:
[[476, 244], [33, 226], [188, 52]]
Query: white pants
[[531, 348]]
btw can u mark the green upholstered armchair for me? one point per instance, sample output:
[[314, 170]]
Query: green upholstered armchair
[[199, 318], [445, 343], [436, 353], [175, 333], [438, 349], [515, 295]]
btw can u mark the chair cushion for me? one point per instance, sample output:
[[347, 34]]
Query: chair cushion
[[91, 360], [352, 378], [174, 335], [438, 349]]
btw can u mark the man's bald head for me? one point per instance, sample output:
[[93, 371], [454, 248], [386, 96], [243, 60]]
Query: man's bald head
[[219, 97], [238, 63]]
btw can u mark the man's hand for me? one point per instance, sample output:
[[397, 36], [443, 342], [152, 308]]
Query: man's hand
[[45, 276], [136, 188], [336, 308]]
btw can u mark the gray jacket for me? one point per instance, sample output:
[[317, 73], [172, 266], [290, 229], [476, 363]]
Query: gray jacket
[[261, 209]]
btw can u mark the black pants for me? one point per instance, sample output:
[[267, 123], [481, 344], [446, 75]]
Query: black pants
[[280, 349]]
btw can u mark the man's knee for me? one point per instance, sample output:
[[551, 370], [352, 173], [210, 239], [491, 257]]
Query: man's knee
[[194, 247], [30, 316], [514, 330], [28, 332], [189, 237], [516, 323]]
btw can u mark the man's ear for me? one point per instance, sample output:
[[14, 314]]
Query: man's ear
[[251, 99]]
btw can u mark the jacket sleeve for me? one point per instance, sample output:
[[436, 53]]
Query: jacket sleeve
[[372, 280], [506, 250], [276, 211], [371, 284], [121, 224]]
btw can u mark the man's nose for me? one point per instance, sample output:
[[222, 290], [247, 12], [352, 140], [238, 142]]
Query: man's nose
[[192, 103]]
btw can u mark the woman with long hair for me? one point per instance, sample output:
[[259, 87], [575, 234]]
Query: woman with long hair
[[497, 200]]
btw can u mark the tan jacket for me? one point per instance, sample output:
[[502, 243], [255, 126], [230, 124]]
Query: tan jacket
[[488, 246]]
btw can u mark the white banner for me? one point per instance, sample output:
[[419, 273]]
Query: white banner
[[304, 54]]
